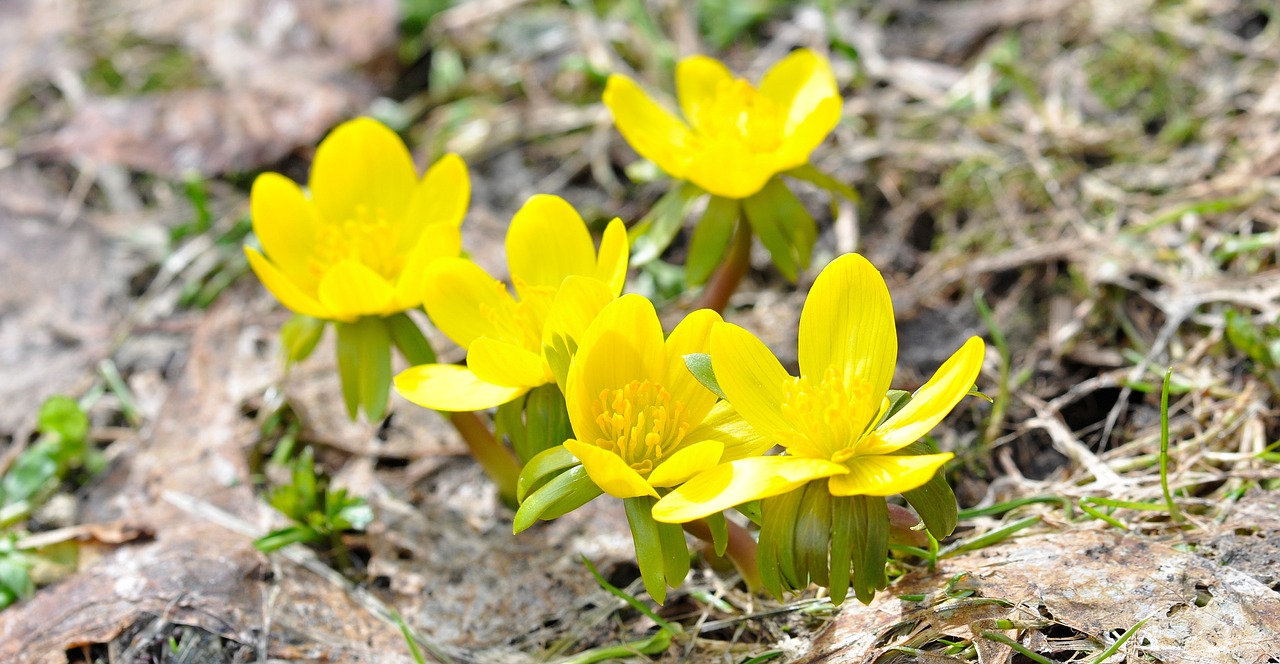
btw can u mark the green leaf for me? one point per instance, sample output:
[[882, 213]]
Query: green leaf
[[508, 420], [784, 227], [654, 232], [648, 543], [810, 173], [546, 421], [62, 416], [842, 525], [560, 495], [898, 399], [675, 552], [699, 365], [711, 239], [719, 527], [776, 550], [278, 539], [409, 340], [870, 528], [30, 474], [299, 337], [933, 501], [813, 533], [541, 467], [364, 365]]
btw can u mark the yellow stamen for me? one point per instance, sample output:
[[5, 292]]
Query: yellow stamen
[[829, 415], [366, 238], [641, 424]]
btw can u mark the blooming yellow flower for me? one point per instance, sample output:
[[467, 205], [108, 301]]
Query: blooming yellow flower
[[734, 136], [830, 418], [641, 420], [561, 283], [359, 242]]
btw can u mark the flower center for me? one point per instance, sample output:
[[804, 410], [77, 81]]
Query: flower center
[[739, 113], [640, 423], [366, 238], [520, 322], [829, 415]]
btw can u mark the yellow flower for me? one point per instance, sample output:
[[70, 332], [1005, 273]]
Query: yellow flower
[[360, 242], [640, 418], [561, 283], [734, 136], [830, 418]]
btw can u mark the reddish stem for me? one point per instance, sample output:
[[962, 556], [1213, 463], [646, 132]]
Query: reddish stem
[[724, 282]]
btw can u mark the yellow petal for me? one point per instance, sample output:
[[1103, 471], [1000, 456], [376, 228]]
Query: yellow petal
[[285, 223], [809, 134], [609, 471], [799, 83], [886, 475], [698, 79], [285, 290], [686, 462], [547, 241], [651, 130], [362, 170], [436, 241], [577, 303], [744, 480], [623, 343], [451, 388], [611, 266], [463, 301], [933, 400], [503, 363], [752, 378], [847, 323], [725, 425], [692, 335], [351, 290], [443, 194], [748, 175]]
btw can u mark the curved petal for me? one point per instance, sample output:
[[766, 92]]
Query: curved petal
[[750, 171], [799, 83], [285, 290], [933, 400], [350, 290], [698, 79], [451, 388], [436, 241], [464, 302], [847, 323], [809, 133], [362, 170], [687, 462], [578, 302], [752, 378], [724, 424], [503, 363], [886, 475], [611, 265], [741, 481], [609, 471], [651, 130], [623, 343], [442, 196], [692, 335], [547, 241], [285, 223]]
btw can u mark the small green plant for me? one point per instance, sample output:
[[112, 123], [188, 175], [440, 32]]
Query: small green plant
[[320, 514]]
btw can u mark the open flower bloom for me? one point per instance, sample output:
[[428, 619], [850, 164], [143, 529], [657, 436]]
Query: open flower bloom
[[560, 284], [641, 420], [359, 242], [734, 136], [830, 419]]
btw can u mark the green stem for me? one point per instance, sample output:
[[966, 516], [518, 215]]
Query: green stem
[[741, 550], [725, 281], [498, 462]]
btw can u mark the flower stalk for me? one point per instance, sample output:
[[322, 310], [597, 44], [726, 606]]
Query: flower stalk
[[497, 461], [724, 283]]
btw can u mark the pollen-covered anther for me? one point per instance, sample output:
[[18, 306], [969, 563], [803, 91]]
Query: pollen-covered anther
[[829, 415], [367, 238], [640, 423]]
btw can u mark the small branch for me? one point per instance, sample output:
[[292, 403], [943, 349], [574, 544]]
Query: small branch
[[725, 281], [498, 462]]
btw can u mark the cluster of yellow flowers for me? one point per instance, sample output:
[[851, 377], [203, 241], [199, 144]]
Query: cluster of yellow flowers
[[680, 426]]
